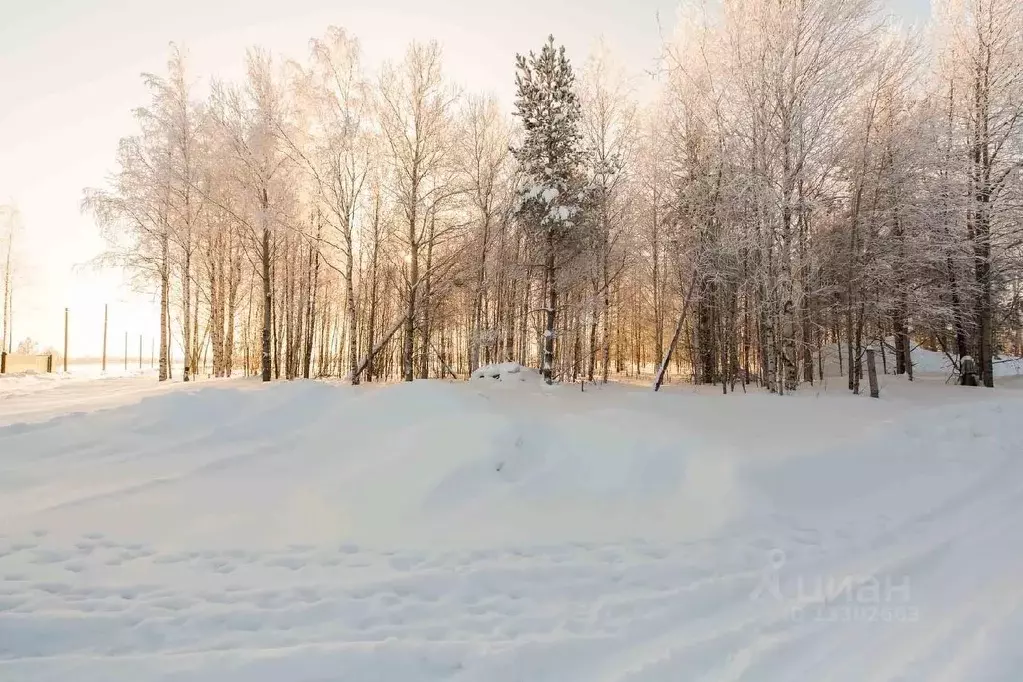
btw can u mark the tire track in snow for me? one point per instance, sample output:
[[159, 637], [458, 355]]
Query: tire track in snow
[[766, 632]]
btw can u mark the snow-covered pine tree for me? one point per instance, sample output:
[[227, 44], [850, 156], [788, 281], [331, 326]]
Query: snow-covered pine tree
[[550, 157]]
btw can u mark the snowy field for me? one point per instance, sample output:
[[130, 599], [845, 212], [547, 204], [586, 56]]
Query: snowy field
[[501, 530], [32, 397]]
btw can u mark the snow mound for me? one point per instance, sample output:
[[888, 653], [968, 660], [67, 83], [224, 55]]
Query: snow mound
[[591, 477], [31, 376], [505, 371], [313, 462]]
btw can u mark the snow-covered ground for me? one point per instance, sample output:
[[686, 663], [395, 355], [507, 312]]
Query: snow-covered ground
[[924, 362], [30, 397], [502, 530]]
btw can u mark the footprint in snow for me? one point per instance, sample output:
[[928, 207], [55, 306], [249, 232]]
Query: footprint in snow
[[291, 563], [361, 593], [171, 603], [50, 556], [429, 595], [403, 564], [390, 600]]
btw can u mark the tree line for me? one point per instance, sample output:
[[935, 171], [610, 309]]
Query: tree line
[[810, 180]]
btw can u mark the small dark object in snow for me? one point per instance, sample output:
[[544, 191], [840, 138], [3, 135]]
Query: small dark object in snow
[[968, 372]]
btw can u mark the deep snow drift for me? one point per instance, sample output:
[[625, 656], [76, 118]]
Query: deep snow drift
[[505, 530]]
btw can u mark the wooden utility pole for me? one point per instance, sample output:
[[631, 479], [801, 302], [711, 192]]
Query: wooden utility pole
[[65, 340], [105, 311], [125, 351], [8, 333], [140, 351]]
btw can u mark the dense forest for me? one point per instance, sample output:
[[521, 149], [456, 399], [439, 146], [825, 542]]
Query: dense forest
[[809, 176]]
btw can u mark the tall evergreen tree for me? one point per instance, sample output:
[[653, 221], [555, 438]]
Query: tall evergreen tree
[[550, 156]]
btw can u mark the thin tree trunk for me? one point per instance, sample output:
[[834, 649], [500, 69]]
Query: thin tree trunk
[[164, 306], [550, 275], [186, 323], [267, 291]]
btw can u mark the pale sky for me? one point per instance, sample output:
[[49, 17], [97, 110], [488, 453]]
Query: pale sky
[[69, 78]]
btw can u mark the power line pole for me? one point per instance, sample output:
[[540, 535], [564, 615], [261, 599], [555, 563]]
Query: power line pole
[[10, 320], [65, 339], [140, 351], [8, 334], [125, 351], [105, 311]]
